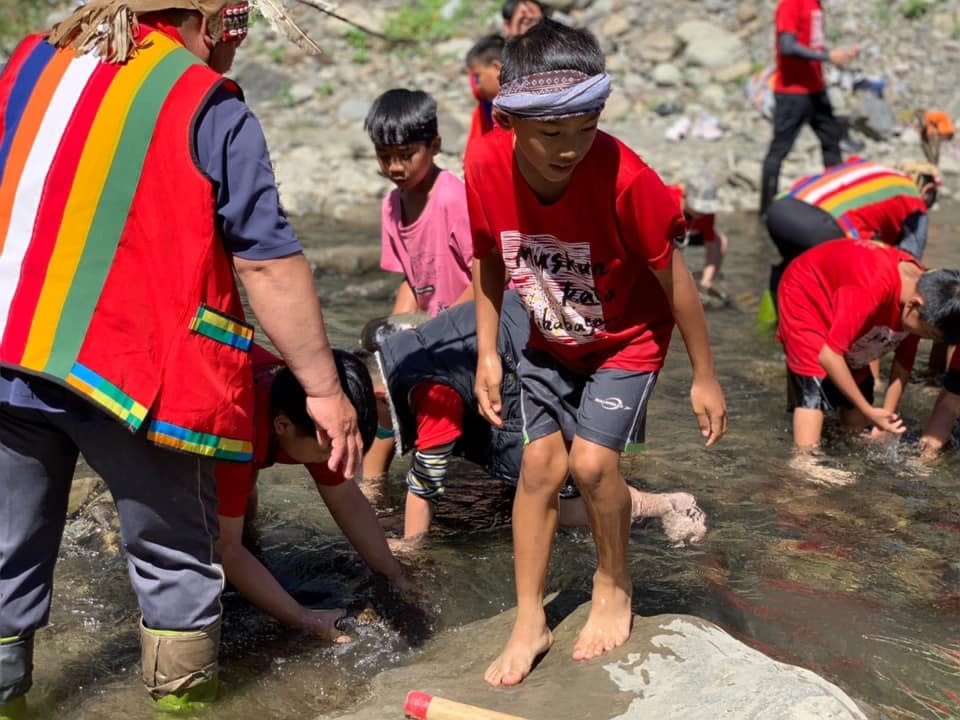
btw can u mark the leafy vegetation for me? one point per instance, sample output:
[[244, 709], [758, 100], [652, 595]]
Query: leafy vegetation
[[425, 20]]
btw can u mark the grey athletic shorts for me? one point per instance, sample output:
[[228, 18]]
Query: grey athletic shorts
[[607, 407]]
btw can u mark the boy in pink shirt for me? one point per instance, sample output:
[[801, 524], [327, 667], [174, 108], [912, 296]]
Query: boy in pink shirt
[[425, 229]]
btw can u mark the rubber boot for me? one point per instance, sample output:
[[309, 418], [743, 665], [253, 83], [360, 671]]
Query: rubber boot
[[180, 667], [16, 676], [766, 312], [15, 709]]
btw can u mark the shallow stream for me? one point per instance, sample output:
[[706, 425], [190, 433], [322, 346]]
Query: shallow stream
[[860, 583]]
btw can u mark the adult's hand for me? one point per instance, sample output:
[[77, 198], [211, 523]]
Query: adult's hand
[[336, 422], [843, 56]]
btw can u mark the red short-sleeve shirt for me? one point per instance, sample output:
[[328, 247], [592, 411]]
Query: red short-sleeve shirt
[[844, 294], [235, 481], [803, 18], [582, 264], [704, 226]]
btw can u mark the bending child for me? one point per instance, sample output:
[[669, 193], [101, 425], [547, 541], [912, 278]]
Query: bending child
[[425, 231], [429, 374], [844, 304], [285, 433], [698, 200], [587, 233]]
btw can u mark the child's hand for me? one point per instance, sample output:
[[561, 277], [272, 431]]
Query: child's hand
[[323, 624], [710, 407], [886, 421], [489, 377]]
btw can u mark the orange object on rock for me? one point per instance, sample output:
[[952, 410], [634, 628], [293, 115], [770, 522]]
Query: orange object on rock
[[939, 121]]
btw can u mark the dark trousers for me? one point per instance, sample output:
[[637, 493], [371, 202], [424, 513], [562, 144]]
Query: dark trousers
[[794, 227], [792, 111], [167, 507]]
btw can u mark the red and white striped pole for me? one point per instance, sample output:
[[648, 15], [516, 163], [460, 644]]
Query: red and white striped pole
[[421, 706]]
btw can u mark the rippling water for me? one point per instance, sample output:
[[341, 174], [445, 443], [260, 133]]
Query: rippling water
[[859, 583]]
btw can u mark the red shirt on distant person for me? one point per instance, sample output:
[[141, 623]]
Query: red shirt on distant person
[[844, 294], [803, 18]]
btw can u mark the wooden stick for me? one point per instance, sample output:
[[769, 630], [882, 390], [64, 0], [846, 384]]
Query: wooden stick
[[421, 706]]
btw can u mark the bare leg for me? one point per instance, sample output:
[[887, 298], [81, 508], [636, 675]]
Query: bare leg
[[807, 428], [542, 472], [683, 520], [596, 470]]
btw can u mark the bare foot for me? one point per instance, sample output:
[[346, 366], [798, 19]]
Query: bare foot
[[323, 624], [812, 471], [406, 546], [527, 642], [608, 626], [683, 520]]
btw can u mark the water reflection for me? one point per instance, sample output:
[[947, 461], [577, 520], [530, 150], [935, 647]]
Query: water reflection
[[860, 583]]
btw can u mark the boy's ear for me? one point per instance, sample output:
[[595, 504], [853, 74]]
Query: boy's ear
[[436, 145], [497, 64], [281, 424]]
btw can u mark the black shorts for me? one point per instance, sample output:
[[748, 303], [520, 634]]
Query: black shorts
[[813, 393]]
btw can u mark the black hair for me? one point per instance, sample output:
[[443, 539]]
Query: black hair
[[486, 50], [510, 7], [940, 290], [931, 196], [402, 117], [287, 396], [547, 46], [369, 360]]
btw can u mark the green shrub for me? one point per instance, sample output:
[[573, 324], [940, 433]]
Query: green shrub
[[912, 9], [422, 21]]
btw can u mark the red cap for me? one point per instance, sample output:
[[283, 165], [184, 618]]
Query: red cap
[[417, 704]]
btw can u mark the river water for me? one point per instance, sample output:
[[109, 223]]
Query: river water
[[860, 583]]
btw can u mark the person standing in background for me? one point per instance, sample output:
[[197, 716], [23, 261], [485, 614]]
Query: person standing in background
[[800, 91]]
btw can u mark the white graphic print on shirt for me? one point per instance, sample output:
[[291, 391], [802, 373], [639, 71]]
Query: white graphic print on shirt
[[556, 281], [874, 344]]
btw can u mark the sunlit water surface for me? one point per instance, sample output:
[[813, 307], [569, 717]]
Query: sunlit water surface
[[859, 583]]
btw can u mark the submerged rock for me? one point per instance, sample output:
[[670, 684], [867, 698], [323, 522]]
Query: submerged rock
[[673, 666]]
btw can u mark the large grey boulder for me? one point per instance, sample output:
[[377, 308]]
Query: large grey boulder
[[674, 667]]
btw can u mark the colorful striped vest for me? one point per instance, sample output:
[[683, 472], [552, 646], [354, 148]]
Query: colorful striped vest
[[867, 200], [113, 277]]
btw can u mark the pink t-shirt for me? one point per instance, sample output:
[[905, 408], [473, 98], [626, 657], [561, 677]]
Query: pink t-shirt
[[434, 253]]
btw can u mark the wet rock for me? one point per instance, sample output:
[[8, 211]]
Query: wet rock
[[674, 667], [82, 491]]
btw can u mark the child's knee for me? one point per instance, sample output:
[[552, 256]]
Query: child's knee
[[591, 466], [543, 470]]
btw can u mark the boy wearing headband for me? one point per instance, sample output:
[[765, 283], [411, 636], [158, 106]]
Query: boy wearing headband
[[586, 232], [425, 233]]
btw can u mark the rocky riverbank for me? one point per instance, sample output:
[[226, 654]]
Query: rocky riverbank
[[689, 58]]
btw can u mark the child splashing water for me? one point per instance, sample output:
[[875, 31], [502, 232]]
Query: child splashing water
[[586, 232]]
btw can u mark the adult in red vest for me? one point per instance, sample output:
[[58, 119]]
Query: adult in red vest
[[800, 91], [133, 183]]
